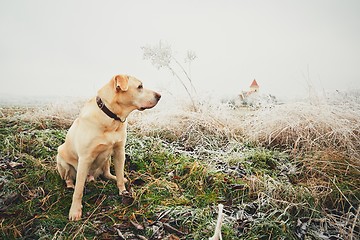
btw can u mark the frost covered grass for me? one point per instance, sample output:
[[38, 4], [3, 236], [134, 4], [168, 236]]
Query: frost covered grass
[[288, 171], [304, 127]]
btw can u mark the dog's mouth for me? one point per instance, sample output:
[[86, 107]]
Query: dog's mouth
[[144, 108], [150, 104]]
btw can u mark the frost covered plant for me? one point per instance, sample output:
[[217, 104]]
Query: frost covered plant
[[161, 56], [191, 56]]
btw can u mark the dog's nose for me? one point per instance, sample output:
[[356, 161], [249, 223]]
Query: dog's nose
[[157, 96]]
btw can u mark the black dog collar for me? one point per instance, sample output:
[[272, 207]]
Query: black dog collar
[[107, 111]]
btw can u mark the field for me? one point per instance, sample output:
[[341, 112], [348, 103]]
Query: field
[[289, 171]]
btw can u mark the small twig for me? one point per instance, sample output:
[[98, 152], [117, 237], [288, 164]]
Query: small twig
[[186, 74], [217, 234], [333, 181], [120, 234], [184, 85], [354, 223], [171, 229]]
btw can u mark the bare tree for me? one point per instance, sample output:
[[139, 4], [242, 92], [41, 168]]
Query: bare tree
[[161, 56]]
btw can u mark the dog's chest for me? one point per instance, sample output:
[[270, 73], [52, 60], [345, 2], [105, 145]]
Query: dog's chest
[[106, 148], [108, 141], [115, 136]]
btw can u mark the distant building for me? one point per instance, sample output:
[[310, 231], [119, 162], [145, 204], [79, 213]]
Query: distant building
[[253, 98], [254, 88]]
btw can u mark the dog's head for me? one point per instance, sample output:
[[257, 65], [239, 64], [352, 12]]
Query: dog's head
[[131, 92], [126, 93]]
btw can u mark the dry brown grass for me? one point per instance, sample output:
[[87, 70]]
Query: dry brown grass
[[306, 127], [62, 114], [302, 127]]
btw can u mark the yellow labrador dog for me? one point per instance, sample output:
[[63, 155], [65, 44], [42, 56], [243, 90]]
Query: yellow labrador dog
[[99, 133]]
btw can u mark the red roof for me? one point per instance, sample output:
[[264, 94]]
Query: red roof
[[254, 84]]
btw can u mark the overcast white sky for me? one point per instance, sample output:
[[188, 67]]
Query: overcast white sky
[[71, 48]]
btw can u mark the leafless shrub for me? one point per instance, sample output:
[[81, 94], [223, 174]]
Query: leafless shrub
[[162, 56]]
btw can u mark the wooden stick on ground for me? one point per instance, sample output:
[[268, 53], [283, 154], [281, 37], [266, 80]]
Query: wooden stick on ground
[[217, 234]]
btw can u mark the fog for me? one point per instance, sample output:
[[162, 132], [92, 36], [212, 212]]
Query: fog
[[72, 48]]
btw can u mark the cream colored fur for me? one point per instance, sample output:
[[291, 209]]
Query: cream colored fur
[[94, 138]]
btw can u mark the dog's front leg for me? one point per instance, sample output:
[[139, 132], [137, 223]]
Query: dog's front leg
[[119, 164], [76, 205]]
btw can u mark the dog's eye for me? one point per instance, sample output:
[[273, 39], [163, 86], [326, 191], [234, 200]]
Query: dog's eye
[[140, 86]]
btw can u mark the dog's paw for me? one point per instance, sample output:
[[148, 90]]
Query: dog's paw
[[90, 178], [75, 213], [70, 184], [121, 185]]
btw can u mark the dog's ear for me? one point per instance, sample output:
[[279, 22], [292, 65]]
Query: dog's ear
[[121, 83]]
